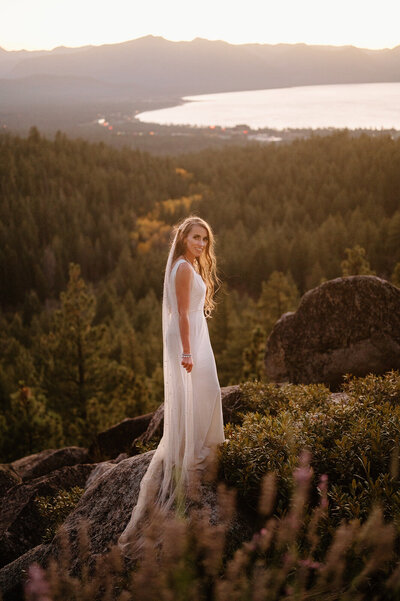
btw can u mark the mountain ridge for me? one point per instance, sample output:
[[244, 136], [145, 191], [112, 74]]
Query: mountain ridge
[[71, 85], [152, 64]]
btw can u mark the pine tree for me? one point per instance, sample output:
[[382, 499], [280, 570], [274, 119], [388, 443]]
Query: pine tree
[[278, 295], [393, 237], [30, 425], [238, 315], [253, 356], [16, 360], [395, 279], [81, 365], [73, 356], [356, 262]]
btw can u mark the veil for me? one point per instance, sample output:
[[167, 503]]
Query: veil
[[171, 472]]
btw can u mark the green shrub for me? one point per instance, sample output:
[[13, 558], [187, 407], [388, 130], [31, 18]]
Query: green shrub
[[150, 445], [353, 439], [375, 389], [55, 509], [272, 398]]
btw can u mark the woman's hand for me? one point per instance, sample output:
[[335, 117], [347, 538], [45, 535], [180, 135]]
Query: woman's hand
[[187, 363]]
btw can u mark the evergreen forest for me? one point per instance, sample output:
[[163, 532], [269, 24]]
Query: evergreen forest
[[84, 233]]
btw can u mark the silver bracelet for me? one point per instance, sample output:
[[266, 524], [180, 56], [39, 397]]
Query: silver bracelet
[[186, 354]]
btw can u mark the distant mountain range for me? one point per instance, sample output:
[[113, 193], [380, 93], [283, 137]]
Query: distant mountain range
[[155, 68]]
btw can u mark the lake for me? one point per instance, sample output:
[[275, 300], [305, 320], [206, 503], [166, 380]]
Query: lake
[[369, 105]]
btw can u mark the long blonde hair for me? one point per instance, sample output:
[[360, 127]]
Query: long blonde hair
[[207, 262]]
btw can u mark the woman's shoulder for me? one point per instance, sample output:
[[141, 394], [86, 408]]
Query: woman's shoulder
[[180, 261], [182, 266], [182, 270]]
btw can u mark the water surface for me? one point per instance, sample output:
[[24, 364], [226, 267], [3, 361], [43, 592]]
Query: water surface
[[371, 105]]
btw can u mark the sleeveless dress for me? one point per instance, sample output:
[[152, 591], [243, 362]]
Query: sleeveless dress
[[206, 428], [193, 420]]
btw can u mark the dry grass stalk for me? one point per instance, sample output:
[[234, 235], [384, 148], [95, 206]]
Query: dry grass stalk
[[268, 494], [183, 556]]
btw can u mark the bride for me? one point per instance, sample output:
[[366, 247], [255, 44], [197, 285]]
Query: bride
[[193, 422]]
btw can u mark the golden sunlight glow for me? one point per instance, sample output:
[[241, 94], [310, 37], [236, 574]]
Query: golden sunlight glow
[[45, 24]]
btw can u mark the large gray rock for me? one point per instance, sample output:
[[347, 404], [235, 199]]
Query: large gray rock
[[8, 478], [44, 462], [346, 325], [14, 574], [118, 438], [21, 525], [232, 403], [106, 506], [155, 427]]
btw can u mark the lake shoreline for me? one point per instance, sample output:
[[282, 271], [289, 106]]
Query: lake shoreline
[[372, 106]]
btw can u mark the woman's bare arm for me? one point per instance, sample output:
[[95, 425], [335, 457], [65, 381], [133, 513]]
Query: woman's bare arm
[[183, 282]]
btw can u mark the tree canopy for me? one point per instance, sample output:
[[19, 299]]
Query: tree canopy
[[84, 232]]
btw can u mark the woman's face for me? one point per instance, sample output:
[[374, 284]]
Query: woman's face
[[196, 241]]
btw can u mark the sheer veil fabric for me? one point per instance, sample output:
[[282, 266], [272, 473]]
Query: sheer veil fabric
[[193, 422]]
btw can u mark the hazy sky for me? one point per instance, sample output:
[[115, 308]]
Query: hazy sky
[[44, 24]]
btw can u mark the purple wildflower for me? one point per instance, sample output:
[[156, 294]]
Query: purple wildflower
[[36, 587]]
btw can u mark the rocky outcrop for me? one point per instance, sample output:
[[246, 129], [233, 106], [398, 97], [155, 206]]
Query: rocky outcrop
[[154, 427], [12, 576], [111, 489], [106, 506], [231, 403], [39, 464], [104, 509], [21, 525], [118, 438], [8, 479], [346, 325]]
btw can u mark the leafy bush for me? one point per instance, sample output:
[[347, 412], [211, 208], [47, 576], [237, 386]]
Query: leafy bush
[[353, 438], [272, 398], [54, 509], [375, 389]]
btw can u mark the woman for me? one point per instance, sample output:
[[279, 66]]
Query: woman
[[193, 423]]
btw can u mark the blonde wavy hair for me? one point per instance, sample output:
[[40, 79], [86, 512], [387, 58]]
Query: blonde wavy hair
[[207, 264]]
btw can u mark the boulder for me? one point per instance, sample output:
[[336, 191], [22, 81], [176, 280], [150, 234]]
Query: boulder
[[8, 479], [14, 574], [106, 506], [155, 427], [347, 325], [100, 469], [231, 405], [39, 464], [118, 438], [21, 525]]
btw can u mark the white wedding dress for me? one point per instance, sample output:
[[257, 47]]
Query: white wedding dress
[[193, 421]]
